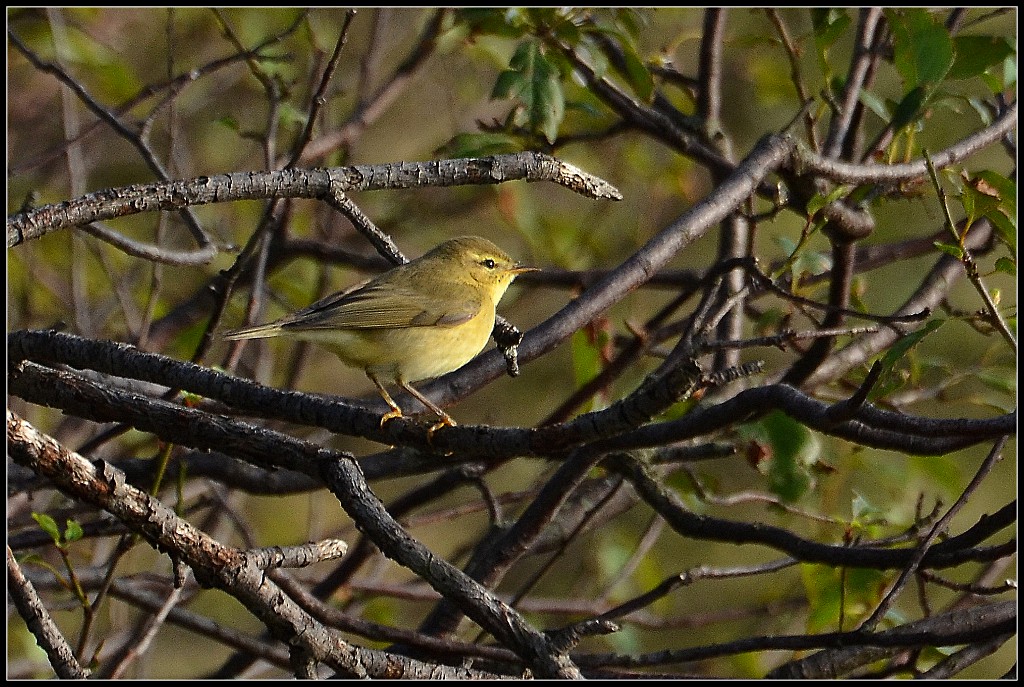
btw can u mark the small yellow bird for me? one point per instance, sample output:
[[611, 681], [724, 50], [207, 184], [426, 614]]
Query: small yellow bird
[[418, 320]]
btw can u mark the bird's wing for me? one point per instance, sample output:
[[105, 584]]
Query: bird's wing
[[380, 306]]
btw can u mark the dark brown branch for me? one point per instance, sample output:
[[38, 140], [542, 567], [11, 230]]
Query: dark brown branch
[[346, 481], [946, 629], [708, 528], [853, 649], [231, 570], [870, 426], [213, 563], [40, 623]]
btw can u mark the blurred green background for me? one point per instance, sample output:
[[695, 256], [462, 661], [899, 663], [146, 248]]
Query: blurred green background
[[218, 123]]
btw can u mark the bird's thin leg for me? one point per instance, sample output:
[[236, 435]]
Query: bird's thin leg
[[395, 411], [446, 419]]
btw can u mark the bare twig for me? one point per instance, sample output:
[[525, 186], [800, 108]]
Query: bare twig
[[937, 530], [970, 266], [301, 183], [40, 623]]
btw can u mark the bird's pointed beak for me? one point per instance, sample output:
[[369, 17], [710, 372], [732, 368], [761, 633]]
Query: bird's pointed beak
[[519, 269]]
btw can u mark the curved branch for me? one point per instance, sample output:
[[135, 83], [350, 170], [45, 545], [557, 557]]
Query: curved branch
[[242, 575], [148, 251], [639, 268], [40, 623], [214, 564], [809, 162], [707, 528], [867, 426], [945, 629], [318, 183]]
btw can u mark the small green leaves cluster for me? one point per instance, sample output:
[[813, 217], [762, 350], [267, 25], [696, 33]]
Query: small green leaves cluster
[[537, 80], [72, 529]]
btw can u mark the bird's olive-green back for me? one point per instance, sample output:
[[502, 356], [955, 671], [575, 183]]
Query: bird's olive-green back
[[443, 288]]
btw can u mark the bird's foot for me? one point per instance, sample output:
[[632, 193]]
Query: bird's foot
[[446, 421]]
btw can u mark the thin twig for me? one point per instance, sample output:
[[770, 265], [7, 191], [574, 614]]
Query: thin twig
[[938, 529], [967, 260]]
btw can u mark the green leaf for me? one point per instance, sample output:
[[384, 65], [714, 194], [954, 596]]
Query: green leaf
[[923, 49], [867, 518], [480, 145], [978, 105], [288, 114], [999, 378], [793, 452], [828, 23], [890, 380], [942, 471], [631, 21], [812, 262], [73, 531], [910, 108], [634, 68], [533, 80], [230, 122], [510, 84], [901, 347], [565, 26], [1005, 227], [864, 512], [950, 249], [549, 110], [584, 107], [818, 201], [787, 244], [49, 525], [875, 104], [834, 592], [1009, 73], [860, 507], [1005, 188], [589, 50], [981, 198], [587, 360], [115, 81], [1006, 265], [492, 21], [975, 54]]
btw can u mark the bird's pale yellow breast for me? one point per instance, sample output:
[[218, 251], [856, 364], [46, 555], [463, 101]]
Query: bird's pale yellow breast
[[411, 353]]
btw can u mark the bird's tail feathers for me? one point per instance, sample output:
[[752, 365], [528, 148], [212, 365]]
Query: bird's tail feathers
[[260, 331]]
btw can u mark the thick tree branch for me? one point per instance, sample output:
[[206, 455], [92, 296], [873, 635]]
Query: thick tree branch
[[300, 183]]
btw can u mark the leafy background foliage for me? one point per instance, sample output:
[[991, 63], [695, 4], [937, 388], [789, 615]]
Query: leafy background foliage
[[501, 80]]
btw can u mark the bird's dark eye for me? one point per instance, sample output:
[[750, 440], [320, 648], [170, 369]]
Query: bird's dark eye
[[488, 263]]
